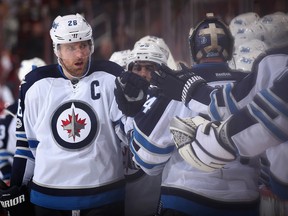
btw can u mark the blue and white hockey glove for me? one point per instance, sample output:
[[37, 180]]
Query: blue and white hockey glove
[[202, 143], [176, 84], [15, 200], [130, 93]]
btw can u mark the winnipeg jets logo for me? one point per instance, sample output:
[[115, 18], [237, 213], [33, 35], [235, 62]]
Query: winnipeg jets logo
[[55, 25], [74, 125]]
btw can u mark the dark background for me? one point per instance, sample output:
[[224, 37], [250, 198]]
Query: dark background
[[117, 24]]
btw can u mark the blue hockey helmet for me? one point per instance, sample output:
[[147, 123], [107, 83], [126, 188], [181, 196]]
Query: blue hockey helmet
[[211, 38]]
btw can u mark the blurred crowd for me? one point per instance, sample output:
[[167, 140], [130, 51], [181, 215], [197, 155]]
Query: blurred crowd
[[24, 26]]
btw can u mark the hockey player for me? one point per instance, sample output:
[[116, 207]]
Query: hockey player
[[68, 159], [184, 189], [163, 46], [6, 97], [8, 128], [251, 36], [8, 124], [245, 55], [225, 101], [264, 116], [213, 144], [145, 57], [28, 65], [7, 141], [120, 57]]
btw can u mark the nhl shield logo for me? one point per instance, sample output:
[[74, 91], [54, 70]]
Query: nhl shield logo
[[74, 125]]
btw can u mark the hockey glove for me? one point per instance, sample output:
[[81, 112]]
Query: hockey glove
[[130, 93], [202, 143], [15, 200], [176, 84]]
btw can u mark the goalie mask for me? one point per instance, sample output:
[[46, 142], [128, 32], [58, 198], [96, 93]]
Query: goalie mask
[[211, 38]]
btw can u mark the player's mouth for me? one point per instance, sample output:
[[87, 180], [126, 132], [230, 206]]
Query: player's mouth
[[79, 64]]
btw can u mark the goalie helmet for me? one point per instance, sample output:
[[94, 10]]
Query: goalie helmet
[[145, 51], [211, 38], [28, 65], [70, 29]]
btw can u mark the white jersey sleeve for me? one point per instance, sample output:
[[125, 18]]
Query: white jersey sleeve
[[152, 143], [266, 117], [261, 127]]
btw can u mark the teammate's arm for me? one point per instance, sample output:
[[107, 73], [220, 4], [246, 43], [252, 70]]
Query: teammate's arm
[[255, 128]]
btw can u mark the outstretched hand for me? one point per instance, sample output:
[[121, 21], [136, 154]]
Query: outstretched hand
[[130, 92], [176, 84]]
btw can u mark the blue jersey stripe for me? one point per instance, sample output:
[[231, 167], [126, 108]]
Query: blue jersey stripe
[[280, 106], [213, 106], [149, 146], [33, 143], [268, 123], [141, 162], [227, 92], [24, 152], [77, 202]]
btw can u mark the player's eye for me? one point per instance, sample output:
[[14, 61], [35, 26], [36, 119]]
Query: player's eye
[[139, 67]]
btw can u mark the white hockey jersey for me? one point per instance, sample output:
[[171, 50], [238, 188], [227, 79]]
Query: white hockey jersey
[[264, 121], [265, 115], [67, 148], [184, 188]]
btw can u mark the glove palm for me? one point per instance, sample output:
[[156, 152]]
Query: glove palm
[[130, 93], [176, 84]]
